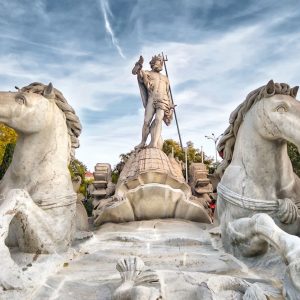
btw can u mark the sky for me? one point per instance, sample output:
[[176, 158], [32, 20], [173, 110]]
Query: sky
[[218, 51]]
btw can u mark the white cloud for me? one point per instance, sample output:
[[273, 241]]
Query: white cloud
[[223, 67], [226, 68]]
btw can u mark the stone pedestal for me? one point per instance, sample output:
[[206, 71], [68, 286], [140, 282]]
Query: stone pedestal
[[150, 186], [199, 182], [102, 185]]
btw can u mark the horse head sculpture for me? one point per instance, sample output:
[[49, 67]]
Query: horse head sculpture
[[37, 188], [46, 124], [259, 194], [25, 112], [256, 164]]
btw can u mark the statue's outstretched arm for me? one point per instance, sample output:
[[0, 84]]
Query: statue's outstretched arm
[[137, 70], [142, 78], [138, 66]]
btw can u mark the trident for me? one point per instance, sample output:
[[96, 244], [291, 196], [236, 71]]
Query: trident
[[165, 58]]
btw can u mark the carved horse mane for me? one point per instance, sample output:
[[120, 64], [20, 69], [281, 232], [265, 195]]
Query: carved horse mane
[[72, 120], [227, 142]]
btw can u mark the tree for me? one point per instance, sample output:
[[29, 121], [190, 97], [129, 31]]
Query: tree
[[77, 168], [7, 158], [193, 154], [119, 166], [171, 145], [7, 136], [294, 157]]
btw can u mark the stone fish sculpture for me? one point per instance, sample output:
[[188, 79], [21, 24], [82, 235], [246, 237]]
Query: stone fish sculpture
[[258, 196], [140, 282], [38, 203]]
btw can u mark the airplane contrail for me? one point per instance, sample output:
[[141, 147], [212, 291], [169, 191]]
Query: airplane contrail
[[106, 11]]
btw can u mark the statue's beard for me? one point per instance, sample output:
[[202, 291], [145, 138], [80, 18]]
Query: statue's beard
[[157, 68]]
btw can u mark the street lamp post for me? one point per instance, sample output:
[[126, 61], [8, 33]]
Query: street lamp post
[[215, 139]]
